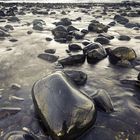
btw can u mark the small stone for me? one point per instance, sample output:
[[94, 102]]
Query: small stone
[[74, 47], [95, 55], [120, 19], [124, 38], [60, 32], [15, 86], [7, 111], [97, 27], [72, 28], [52, 51], [84, 31], [86, 42], [79, 18], [4, 33], [48, 39], [110, 37], [58, 66], [91, 46], [63, 13], [9, 27], [78, 77], [66, 21], [137, 37], [61, 40], [29, 32], [13, 19], [102, 40], [49, 57], [8, 49], [38, 24], [79, 35], [15, 98], [72, 60], [13, 40], [113, 23]]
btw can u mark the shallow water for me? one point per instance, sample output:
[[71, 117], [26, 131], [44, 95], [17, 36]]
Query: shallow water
[[21, 65]]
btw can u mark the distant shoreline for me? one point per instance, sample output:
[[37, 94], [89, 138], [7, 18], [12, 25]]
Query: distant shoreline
[[66, 2]]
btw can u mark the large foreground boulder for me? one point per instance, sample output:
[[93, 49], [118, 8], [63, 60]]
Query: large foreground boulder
[[64, 110]]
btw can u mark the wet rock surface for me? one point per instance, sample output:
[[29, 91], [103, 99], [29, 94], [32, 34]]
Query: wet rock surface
[[79, 113], [49, 57], [78, 77], [73, 60], [19, 64]]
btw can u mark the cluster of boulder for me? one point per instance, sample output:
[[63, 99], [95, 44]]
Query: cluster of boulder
[[65, 32]]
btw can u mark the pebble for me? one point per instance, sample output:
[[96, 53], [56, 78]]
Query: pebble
[[15, 98], [7, 111], [51, 51], [15, 86], [13, 40], [49, 57]]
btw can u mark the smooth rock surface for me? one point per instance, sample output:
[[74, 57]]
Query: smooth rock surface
[[66, 111]]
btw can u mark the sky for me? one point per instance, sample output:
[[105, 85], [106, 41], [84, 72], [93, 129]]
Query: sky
[[60, 1]]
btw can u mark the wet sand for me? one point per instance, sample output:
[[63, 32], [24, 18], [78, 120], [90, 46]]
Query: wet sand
[[22, 66]]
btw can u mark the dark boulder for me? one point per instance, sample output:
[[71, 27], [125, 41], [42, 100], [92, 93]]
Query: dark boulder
[[49, 57], [97, 27], [65, 111], [2, 13], [86, 42], [73, 60], [72, 28], [61, 40], [120, 19], [52, 51], [78, 35], [110, 37], [9, 27], [78, 77], [13, 19], [4, 33], [102, 40], [113, 23], [38, 24], [84, 31], [74, 47], [48, 39], [124, 38], [95, 55], [131, 25], [60, 32], [64, 22], [121, 55], [90, 47]]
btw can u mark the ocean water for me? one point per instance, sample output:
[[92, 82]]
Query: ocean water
[[66, 1]]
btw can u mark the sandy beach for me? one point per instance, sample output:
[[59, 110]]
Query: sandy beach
[[23, 41]]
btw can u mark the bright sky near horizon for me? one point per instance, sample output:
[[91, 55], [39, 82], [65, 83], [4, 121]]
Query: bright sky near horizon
[[70, 1]]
